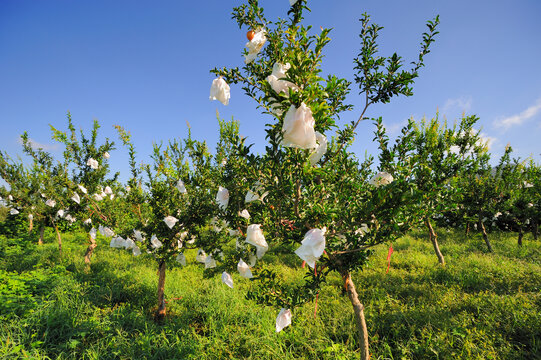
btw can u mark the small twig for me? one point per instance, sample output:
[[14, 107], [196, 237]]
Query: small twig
[[361, 118], [353, 250], [288, 223], [297, 197]]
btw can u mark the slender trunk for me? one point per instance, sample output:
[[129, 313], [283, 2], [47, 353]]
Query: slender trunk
[[30, 224], [90, 249], [59, 237], [160, 312], [520, 235], [467, 229], [535, 230], [41, 234], [434, 239], [485, 236], [358, 310]]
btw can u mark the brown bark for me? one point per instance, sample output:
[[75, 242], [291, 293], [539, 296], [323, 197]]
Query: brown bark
[[59, 237], [160, 312], [434, 239], [467, 229], [358, 310], [90, 249], [41, 234], [30, 225], [485, 236], [520, 235], [297, 197]]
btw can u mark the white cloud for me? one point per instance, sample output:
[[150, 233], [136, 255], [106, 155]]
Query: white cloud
[[518, 119], [462, 104], [488, 140], [394, 129], [37, 145]]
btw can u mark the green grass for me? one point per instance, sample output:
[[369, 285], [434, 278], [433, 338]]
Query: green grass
[[480, 306]]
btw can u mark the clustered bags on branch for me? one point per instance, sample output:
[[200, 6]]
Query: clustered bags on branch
[[306, 195]]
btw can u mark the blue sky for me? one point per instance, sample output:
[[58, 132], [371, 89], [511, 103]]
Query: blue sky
[[145, 65]]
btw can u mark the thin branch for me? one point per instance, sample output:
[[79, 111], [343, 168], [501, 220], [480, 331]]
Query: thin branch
[[353, 250], [297, 197], [361, 118]]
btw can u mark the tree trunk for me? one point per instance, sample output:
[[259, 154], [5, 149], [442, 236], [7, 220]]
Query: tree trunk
[[434, 238], [535, 230], [160, 312], [90, 249], [485, 236], [59, 237], [358, 310], [467, 229], [520, 235], [30, 224], [41, 234]]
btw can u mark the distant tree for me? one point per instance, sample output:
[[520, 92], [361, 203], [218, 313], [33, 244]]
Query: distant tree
[[178, 192], [90, 189], [19, 197], [51, 184], [441, 154], [520, 193]]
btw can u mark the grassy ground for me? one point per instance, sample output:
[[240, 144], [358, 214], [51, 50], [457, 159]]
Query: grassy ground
[[480, 306]]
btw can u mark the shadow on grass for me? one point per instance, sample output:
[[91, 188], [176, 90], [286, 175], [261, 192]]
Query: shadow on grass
[[101, 314], [421, 315], [22, 253], [106, 288]]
